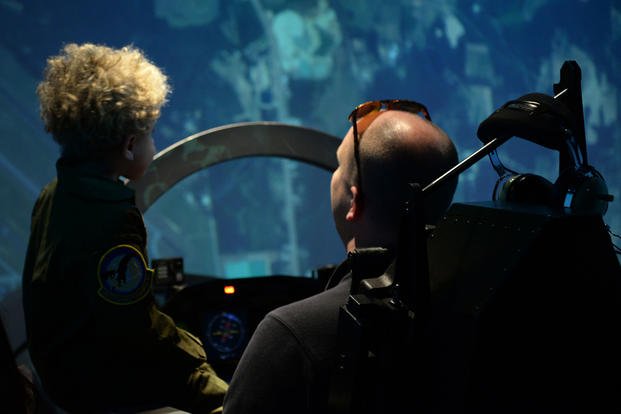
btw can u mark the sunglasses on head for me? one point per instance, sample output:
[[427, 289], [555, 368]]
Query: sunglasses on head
[[362, 116]]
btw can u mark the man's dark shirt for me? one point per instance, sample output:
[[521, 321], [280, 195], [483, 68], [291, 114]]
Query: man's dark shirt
[[287, 364], [290, 359]]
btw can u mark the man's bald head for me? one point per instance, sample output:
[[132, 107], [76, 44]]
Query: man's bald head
[[397, 148]]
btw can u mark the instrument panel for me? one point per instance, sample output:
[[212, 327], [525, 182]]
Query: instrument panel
[[224, 313]]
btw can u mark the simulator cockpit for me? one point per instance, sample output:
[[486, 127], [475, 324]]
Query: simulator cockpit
[[506, 305], [511, 302]]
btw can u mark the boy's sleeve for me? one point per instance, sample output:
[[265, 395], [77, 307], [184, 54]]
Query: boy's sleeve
[[126, 302]]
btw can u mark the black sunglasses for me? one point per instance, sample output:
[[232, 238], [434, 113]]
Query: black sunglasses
[[363, 110]]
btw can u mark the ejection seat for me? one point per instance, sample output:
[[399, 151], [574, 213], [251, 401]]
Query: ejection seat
[[526, 308]]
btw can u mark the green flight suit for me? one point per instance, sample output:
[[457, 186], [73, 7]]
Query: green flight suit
[[95, 335]]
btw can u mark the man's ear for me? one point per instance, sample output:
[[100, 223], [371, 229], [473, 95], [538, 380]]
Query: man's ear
[[128, 147], [355, 204]]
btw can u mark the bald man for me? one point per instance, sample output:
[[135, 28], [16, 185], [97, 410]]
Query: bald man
[[287, 365]]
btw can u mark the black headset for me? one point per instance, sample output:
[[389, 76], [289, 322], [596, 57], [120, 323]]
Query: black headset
[[544, 120]]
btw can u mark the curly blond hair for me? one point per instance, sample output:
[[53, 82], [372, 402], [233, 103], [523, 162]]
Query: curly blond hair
[[93, 96]]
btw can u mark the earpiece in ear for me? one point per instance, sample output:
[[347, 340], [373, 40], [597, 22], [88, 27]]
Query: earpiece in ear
[[128, 154]]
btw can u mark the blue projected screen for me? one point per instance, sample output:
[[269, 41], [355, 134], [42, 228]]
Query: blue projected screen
[[305, 63]]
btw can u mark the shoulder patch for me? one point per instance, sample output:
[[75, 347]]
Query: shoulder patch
[[123, 275]]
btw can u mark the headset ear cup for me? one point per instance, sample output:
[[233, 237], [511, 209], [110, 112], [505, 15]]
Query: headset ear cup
[[525, 189], [500, 189], [582, 190]]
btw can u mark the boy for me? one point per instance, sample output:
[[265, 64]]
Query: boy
[[95, 336]]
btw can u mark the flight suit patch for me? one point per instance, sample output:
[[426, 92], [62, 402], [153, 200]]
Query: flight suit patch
[[123, 275]]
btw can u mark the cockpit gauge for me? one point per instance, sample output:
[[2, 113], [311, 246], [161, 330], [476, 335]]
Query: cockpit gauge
[[225, 333]]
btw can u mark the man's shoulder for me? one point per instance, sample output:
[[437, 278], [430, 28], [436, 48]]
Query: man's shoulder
[[313, 312], [312, 322], [319, 302]]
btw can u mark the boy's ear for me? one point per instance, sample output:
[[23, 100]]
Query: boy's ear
[[128, 147]]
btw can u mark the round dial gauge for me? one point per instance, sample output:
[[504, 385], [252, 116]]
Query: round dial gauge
[[225, 332]]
